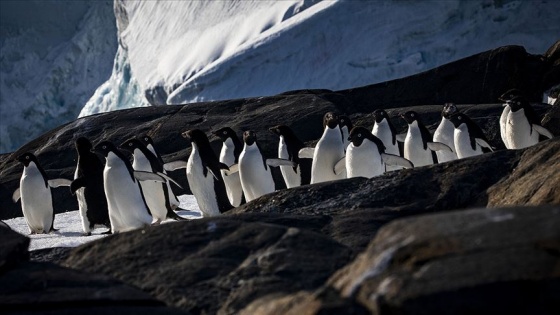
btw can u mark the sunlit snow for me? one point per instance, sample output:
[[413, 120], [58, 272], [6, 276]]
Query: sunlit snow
[[69, 227]]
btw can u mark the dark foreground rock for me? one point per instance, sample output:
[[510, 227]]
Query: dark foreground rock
[[214, 265], [485, 261], [476, 80], [45, 288]]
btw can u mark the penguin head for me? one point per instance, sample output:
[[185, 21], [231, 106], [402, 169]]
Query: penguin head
[[132, 144], [344, 121], [517, 103], [224, 133], [27, 158], [196, 136], [280, 130], [83, 145], [510, 94], [458, 120], [330, 120], [104, 147], [379, 115], [146, 140], [249, 137], [410, 116], [357, 135], [449, 109]]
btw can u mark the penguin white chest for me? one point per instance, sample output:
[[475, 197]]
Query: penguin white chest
[[364, 160], [519, 133], [328, 152], [256, 180], [153, 191], [445, 134], [414, 150], [382, 130], [202, 186], [291, 176], [36, 200], [463, 143], [232, 181]]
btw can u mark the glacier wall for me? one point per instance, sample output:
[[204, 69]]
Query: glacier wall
[[53, 55]]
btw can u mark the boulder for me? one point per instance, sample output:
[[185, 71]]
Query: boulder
[[214, 265], [13, 249]]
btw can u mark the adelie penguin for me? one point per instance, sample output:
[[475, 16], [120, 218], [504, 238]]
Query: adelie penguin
[[418, 145], [385, 131], [88, 187], [229, 155], [445, 133], [149, 143], [288, 149], [127, 208], [155, 193], [468, 137], [327, 153], [366, 156], [203, 174], [519, 125], [35, 193]]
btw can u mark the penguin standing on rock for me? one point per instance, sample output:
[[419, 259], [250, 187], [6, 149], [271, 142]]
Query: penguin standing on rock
[[35, 193], [88, 187], [445, 133], [418, 145], [519, 126], [366, 156], [149, 143], [229, 155], [468, 137], [288, 149], [327, 153], [127, 208], [155, 193], [385, 131], [256, 177], [203, 174]]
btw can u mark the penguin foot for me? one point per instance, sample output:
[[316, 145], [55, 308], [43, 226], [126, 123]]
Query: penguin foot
[[107, 232], [86, 234]]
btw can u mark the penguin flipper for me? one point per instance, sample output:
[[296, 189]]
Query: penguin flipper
[[543, 131], [175, 165], [340, 166], [280, 162], [438, 146], [391, 159], [401, 137], [59, 182], [169, 179], [144, 176], [16, 195], [306, 153], [484, 144], [234, 168], [77, 184]]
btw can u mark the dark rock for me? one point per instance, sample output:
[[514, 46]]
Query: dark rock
[[483, 261], [13, 249], [551, 119], [32, 288], [214, 265], [53, 254]]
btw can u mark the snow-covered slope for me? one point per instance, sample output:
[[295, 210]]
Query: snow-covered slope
[[53, 56], [181, 52]]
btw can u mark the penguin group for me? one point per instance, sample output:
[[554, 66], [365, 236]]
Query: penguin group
[[123, 195]]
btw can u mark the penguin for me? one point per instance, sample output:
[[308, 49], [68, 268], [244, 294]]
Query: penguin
[[288, 148], [254, 172], [155, 193], [229, 155], [521, 127], [445, 133], [127, 208], [149, 143], [35, 193], [204, 176], [468, 137], [88, 188], [506, 98], [345, 126], [385, 131], [418, 145], [366, 156], [328, 152]]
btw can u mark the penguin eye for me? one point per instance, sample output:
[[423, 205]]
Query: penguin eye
[[411, 115], [459, 117], [104, 147], [145, 139], [225, 132], [359, 135], [27, 157], [130, 144]]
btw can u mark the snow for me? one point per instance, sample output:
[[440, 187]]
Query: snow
[[69, 227]]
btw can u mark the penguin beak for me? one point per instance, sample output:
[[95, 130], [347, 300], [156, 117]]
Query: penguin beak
[[274, 130], [185, 135]]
